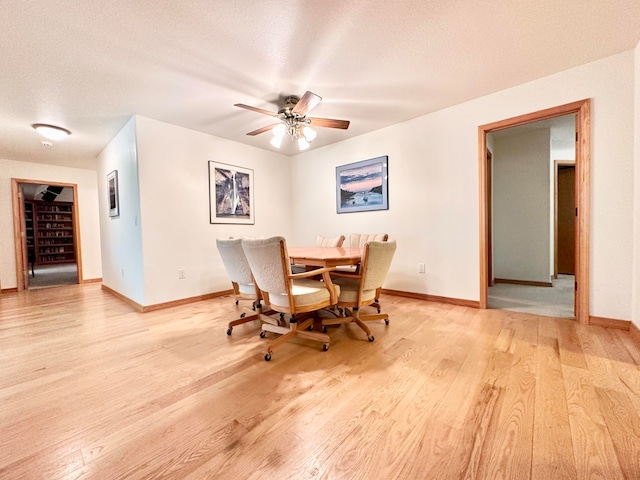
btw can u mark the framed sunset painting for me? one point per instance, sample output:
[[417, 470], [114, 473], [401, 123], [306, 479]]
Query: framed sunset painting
[[363, 186]]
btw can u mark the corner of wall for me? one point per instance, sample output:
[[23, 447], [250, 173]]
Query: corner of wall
[[120, 235]]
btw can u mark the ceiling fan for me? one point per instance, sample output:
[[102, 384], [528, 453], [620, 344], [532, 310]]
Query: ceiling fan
[[293, 120]]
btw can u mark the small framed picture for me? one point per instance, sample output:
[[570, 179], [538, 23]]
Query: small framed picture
[[230, 194], [112, 190], [363, 186]]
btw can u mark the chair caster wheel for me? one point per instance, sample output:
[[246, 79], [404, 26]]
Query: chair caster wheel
[[370, 338], [386, 321], [378, 310], [243, 315], [263, 334], [325, 347], [267, 357], [324, 329], [229, 331], [236, 302]]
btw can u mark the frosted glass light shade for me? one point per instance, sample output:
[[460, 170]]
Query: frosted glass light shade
[[279, 130], [303, 144], [51, 131], [309, 134], [276, 141]]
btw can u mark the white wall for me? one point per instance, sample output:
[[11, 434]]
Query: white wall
[[122, 268], [521, 206], [174, 207], [433, 185], [86, 180], [636, 210], [562, 153]]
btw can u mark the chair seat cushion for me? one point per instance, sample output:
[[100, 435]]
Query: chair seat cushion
[[347, 269], [247, 289], [349, 291], [305, 292]]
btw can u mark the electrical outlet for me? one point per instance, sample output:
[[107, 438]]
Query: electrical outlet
[[181, 274], [421, 268]]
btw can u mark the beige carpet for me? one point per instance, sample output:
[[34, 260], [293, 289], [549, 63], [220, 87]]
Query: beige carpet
[[54, 275], [556, 301]]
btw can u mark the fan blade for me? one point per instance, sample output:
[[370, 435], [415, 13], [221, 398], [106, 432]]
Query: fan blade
[[308, 101], [262, 130], [255, 109], [329, 123]]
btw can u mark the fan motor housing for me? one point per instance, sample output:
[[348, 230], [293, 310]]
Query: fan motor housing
[[289, 102]]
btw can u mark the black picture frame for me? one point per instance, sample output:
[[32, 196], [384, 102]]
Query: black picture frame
[[113, 200]]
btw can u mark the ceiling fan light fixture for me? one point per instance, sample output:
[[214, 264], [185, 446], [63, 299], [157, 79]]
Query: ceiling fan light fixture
[[309, 133], [294, 121], [51, 131], [279, 130]]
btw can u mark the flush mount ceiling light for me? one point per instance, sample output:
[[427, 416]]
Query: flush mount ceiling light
[[51, 131], [294, 121]]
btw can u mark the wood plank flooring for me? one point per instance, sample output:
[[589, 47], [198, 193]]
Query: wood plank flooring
[[91, 389]]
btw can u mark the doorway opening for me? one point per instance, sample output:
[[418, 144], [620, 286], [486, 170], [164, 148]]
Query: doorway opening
[[581, 110], [47, 240], [525, 206]]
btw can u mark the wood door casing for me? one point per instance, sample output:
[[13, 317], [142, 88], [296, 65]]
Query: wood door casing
[[19, 236], [582, 109]]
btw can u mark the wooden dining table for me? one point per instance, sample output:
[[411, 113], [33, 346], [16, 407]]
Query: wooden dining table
[[325, 256]]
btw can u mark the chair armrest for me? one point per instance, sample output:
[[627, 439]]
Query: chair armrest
[[325, 276]]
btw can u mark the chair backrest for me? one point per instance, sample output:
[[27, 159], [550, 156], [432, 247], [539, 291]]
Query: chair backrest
[[359, 239], [269, 262], [234, 260], [376, 261], [323, 241]]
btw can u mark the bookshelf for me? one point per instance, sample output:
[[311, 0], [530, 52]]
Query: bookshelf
[[53, 232], [30, 233]]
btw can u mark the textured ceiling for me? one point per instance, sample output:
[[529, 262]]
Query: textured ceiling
[[88, 66]]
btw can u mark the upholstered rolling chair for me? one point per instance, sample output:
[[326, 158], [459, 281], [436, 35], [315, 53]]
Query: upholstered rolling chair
[[359, 290], [358, 240], [286, 292], [244, 287], [321, 241]]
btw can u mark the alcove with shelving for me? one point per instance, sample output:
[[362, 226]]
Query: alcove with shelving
[[54, 234], [30, 233]]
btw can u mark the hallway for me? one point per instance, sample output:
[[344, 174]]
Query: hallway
[[556, 301]]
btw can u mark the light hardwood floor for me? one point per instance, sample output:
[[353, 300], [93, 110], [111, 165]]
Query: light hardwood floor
[[91, 389]]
